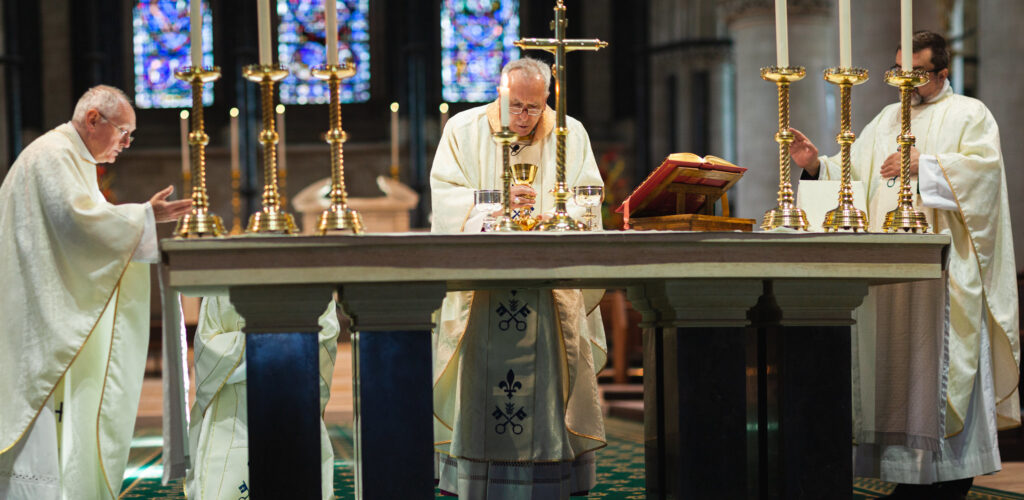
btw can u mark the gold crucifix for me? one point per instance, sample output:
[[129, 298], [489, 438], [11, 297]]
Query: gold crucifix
[[559, 46]]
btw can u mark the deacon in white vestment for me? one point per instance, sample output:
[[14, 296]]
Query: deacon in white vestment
[[218, 437], [973, 377], [516, 412], [75, 308]]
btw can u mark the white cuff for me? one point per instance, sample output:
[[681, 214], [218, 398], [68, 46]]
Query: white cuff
[[475, 222], [935, 191], [148, 251]]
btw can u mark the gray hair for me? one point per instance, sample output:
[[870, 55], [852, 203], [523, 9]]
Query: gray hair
[[530, 66], [102, 98]]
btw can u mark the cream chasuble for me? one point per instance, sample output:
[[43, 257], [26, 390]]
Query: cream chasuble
[[75, 324], [218, 437], [515, 391], [981, 296]]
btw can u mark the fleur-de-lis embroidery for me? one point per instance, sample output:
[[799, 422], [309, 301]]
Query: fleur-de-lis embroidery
[[510, 385], [516, 311]]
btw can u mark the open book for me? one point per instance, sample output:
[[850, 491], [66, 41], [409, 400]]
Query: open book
[[683, 183]]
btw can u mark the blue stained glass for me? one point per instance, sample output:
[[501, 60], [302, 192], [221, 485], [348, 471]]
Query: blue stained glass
[[161, 44], [301, 46], [477, 40]]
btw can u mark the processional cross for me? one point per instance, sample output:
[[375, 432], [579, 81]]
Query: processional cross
[[559, 46]]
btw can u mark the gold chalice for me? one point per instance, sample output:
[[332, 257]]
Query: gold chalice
[[524, 174]]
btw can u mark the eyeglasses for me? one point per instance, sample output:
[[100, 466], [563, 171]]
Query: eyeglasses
[[518, 110], [126, 135], [897, 67]]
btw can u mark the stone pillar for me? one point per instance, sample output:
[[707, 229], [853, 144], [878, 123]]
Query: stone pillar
[[812, 44], [58, 104], [1000, 88], [598, 108], [4, 147]]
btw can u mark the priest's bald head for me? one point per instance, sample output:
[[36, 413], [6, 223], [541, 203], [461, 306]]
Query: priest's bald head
[[105, 121], [529, 80]]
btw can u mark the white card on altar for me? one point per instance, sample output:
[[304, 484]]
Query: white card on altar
[[816, 198]]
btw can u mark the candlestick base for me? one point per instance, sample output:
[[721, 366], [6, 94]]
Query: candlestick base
[[269, 220], [340, 220], [560, 220], [845, 218], [199, 225], [906, 220], [786, 216], [505, 224]]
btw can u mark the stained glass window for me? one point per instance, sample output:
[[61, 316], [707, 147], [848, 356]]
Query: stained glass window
[[477, 39], [301, 46], [161, 42]]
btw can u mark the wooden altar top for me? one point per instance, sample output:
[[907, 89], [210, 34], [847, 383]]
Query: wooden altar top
[[557, 260]]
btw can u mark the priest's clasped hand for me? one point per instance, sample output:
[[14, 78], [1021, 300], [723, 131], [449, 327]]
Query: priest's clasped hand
[[523, 196], [168, 211], [891, 166]]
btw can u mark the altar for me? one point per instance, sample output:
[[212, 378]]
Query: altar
[[746, 340]]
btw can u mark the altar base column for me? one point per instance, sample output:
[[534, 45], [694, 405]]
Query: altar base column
[[393, 390], [283, 384], [799, 379], [695, 421]]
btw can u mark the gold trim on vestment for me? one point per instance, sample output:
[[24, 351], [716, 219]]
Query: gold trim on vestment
[[103, 391]]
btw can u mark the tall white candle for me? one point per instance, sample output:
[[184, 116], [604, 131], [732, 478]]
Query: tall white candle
[[503, 98], [332, 32], [196, 32], [906, 34], [184, 142], [781, 35], [443, 108], [844, 34], [263, 14], [234, 140], [394, 133], [282, 162]]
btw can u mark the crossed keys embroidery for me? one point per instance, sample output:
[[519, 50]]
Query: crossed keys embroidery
[[515, 311], [509, 415]]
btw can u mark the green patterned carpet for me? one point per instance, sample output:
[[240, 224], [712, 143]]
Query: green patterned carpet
[[620, 468]]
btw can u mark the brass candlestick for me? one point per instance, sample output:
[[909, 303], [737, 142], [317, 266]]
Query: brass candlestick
[[200, 222], [338, 217], [904, 217], [271, 219], [786, 214], [504, 222], [559, 46], [846, 216]]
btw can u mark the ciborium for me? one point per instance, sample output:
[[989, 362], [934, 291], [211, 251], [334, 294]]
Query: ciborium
[[338, 218], [523, 174], [846, 216], [905, 217], [199, 222], [271, 218], [786, 213]]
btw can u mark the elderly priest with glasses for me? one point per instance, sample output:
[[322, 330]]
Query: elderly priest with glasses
[[74, 306], [516, 413]]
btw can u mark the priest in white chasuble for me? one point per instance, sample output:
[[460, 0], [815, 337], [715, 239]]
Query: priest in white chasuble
[[972, 378], [516, 411], [74, 308], [218, 432]]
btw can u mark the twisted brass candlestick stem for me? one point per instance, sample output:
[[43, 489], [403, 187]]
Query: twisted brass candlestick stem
[[200, 222], [271, 218], [786, 214], [846, 216], [338, 217], [504, 222], [905, 217]]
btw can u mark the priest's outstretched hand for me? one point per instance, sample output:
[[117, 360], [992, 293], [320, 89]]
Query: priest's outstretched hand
[[803, 153], [168, 211]]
